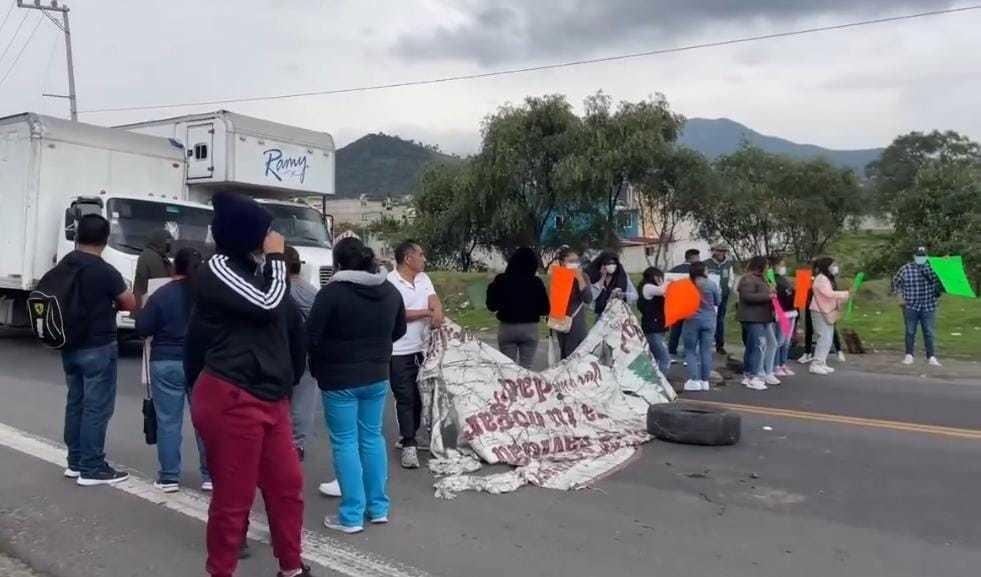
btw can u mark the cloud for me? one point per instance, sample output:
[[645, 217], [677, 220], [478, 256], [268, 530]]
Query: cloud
[[518, 30]]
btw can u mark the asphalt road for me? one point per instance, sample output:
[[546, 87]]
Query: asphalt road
[[797, 496]]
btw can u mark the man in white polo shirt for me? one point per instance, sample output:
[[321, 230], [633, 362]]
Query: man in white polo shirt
[[422, 310]]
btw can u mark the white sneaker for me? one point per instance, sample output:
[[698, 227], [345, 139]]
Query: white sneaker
[[167, 486], [828, 368], [771, 380], [331, 489], [755, 384], [378, 520], [410, 458], [706, 386], [787, 372], [908, 360], [332, 522], [934, 362], [207, 486], [816, 369], [841, 356], [691, 385], [71, 473], [805, 358]]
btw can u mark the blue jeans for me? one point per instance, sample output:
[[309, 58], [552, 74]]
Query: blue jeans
[[720, 321], [772, 343], [698, 336], [354, 420], [91, 378], [660, 351], [783, 343], [926, 319], [169, 388], [756, 337]]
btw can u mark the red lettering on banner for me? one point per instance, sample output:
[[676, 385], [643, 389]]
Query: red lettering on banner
[[570, 416], [520, 419], [556, 416], [526, 390], [557, 445], [488, 421], [505, 422], [589, 413], [543, 388], [531, 449], [474, 429], [502, 454]]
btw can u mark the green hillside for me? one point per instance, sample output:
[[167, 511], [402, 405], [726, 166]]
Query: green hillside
[[382, 165]]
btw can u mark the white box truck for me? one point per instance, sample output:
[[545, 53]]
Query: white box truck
[[278, 164], [52, 171]]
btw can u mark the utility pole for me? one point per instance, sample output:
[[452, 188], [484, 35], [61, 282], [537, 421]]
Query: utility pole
[[64, 27]]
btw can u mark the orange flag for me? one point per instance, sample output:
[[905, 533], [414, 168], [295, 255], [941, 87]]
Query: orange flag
[[802, 287], [560, 291], [681, 300]]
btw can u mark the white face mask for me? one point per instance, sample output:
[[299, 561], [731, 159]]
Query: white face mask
[[572, 265], [782, 270], [610, 268], [920, 259], [833, 269]]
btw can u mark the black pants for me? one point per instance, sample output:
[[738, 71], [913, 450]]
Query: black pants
[[674, 338], [809, 334], [408, 401]]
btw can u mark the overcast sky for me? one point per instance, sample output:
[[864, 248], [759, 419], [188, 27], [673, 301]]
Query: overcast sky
[[848, 89]]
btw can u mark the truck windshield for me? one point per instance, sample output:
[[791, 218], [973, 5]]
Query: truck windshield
[[133, 221], [300, 225]]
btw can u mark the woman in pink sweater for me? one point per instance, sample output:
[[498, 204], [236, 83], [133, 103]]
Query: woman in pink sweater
[[825, 311]]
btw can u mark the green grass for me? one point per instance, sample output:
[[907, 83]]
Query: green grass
[[877, 317]]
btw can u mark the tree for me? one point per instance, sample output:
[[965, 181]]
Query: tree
[[515, 172], [673, 194], [450, 218], [896, 170], [818, 200], [744, 210], [615, 150]]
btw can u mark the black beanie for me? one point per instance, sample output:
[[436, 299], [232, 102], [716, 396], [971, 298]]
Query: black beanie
[[240, 223]]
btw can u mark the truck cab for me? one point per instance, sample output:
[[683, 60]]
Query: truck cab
[[131, 221], [310, 232]]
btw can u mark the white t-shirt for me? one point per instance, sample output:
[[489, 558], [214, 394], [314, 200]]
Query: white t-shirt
[[415, 296]]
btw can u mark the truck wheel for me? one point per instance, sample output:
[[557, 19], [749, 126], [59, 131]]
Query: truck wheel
[[691, 425]]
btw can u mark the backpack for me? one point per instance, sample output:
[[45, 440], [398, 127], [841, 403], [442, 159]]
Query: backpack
[[55, 309]]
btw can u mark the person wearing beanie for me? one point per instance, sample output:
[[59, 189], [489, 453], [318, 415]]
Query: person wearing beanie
[[245, 353]]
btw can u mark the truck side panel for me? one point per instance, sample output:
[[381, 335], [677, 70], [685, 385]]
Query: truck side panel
[[18, 198], [269, 163]]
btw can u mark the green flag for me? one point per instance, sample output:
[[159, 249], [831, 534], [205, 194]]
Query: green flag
[[859, 279], [770, 278], [951, 272]]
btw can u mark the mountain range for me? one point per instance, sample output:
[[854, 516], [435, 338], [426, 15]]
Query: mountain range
[[380, 165]]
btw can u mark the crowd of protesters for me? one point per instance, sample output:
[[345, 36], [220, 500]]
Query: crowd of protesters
[[244, 341]]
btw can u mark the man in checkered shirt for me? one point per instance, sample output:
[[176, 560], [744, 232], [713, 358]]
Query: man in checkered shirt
[[919, 288]]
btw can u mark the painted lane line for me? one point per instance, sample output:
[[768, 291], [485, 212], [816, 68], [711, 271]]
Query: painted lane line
[[973, 434], [318, 549]]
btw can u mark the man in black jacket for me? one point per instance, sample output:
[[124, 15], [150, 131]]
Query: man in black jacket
[[250, 336]]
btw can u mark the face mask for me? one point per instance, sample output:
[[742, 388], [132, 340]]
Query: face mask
[[782, 270], [610, 268], [920, 259], [572, 265], [833, 269]]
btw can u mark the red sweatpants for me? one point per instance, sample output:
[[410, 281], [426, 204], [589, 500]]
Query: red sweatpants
[[249, 443]]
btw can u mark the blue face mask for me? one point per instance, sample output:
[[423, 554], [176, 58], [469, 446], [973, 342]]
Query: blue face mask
[[920, 259]]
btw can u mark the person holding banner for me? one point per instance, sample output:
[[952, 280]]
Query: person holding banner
[[519, 298], [651, 305], [785, 296], [825, 310], [581, 296], [699, 330], [919, 290]]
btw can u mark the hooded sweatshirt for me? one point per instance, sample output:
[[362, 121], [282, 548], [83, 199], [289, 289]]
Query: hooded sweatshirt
[[354, 321], [518, 295], [244, 328], [153, 261]]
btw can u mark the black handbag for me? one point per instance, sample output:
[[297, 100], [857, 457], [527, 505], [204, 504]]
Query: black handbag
[[149, 411]]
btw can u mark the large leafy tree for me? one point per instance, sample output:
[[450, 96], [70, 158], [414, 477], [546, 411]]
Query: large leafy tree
[[819, 200], [451, 218]]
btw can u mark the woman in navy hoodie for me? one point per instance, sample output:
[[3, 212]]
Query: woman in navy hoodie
[[354, 321]]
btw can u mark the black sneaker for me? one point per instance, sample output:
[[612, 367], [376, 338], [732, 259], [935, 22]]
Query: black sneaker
[[107, 476], [244, 552], [304, 573], [300, 453]]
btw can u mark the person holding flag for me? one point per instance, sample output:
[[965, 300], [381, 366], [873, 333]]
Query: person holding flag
[[919, 289], [825, 311]]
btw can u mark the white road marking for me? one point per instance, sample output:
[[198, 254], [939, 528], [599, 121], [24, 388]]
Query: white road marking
[[318, 549]]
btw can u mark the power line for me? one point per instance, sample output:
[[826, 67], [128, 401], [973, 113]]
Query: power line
[[21, 52], [7, 15], [526, 69], [14, 37]]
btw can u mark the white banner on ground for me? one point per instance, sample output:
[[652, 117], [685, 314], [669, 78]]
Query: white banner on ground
[[562, 428]]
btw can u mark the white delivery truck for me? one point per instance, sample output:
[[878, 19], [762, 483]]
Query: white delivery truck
[[53, 171], [277, 164]]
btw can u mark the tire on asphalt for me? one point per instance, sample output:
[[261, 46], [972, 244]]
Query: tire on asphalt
[[693, 425]]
